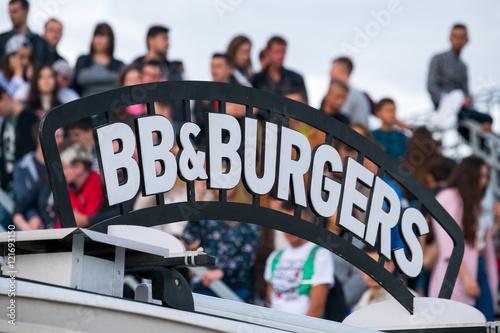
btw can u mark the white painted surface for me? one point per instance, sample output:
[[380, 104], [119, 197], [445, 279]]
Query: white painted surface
[[151, 236], [428, 313]]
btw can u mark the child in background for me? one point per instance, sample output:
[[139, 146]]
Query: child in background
[[393, 141], [375, 292]]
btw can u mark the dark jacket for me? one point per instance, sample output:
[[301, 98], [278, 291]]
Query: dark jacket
[[85, 61], [289, 82], [171, 71], [33, 194]]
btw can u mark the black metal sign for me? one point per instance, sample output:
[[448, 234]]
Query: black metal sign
[[322, 194]]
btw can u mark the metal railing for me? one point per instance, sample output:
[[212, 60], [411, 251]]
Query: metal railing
[[487, 146]]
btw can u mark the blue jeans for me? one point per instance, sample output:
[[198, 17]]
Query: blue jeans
[[5, 217], [485, 302]]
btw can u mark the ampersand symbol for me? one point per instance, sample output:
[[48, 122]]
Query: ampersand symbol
[[189, 160]]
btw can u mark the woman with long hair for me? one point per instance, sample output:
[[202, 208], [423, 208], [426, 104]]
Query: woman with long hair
[[43, 94], [477, 281], [98, 71], [238, 52]]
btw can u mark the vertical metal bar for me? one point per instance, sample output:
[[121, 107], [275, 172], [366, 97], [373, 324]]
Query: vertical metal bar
[[320, 221], [222, 107], [118, 271], [191, 195], [328, 138], [298, 212], [186, 107], [109, 116], [249, 111], [151, 108], [122, 208], [160, 199], [348, 236], [380, 172], [77, 254], [222, 196], [361, 158]]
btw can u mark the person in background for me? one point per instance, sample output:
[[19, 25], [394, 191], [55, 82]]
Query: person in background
[[53, 34], [447, 83], [393, 141], [299, 276], [63, 77], [275, 78], [233, 243], [98, 71], [17, 64], [18, 13], [158, 42], [356, 105], [421, 148], [375, 292], [151, 72], [81, 131], [15, 137], [84, 185], [332, 103], [299, 96], [129, 76], [477, 282], [34, 205], [43, 94], [334, 99], [221, 71], [439, 169], [263, 59], [238, 52]]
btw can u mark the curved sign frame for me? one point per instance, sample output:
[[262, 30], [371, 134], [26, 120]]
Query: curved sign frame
[[278, 110]]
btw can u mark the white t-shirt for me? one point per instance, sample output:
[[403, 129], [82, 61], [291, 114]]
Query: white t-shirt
[[288, 277]]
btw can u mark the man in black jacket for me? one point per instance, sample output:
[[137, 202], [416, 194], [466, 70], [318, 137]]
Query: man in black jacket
[[18, 13], [275, 78]]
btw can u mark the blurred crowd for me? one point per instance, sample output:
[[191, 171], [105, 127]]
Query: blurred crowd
[[262, 266]]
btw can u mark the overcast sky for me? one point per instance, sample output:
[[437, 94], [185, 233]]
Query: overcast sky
[[391, 42]]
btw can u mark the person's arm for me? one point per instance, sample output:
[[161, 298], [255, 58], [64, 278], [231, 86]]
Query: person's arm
[[20, 222], [318, 296], [433, 79], [496, 212], [470, 282], [323, 279], [269, 292], [35, 223], [93, 196], [211, 275], [404, 125], [82, 221]]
